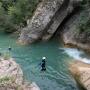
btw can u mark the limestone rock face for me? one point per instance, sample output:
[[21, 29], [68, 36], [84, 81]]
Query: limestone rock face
[[11, 77], [46, 19], [71, 33], [81, 72], [8, 68]]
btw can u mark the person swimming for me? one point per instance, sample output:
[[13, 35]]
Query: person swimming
[[9, 48], [43, 64]]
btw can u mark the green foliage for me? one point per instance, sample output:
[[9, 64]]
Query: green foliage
[[85, 2], [14, 13], [84, 23], [6, 55], [84, 27], [10, 81], [6, 80]]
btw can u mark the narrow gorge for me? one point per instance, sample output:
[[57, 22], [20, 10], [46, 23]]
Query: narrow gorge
[[58, 30]]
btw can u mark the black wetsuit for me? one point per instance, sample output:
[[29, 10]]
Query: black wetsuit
[[9, 48], [0, 54], [43, 65]]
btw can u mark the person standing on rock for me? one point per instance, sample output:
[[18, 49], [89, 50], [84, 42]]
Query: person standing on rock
[[43, 64]]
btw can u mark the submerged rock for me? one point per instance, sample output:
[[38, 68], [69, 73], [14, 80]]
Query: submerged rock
[[11, 77], [46, 19], [81, 72]]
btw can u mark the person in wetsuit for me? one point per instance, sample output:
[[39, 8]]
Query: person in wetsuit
[[9, 48], [43, 64]]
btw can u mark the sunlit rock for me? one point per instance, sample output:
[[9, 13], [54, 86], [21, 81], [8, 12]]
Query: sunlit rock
[[11, 77], [46, 19], [81, 72]]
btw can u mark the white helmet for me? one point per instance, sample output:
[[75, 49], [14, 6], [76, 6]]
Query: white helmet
[[44, 58]]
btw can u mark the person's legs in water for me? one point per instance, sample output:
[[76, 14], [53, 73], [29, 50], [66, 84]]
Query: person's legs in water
[[43, 67]]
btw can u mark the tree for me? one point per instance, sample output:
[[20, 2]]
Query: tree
[[15, 12]]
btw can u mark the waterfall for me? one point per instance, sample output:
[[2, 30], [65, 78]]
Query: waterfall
[[76, 54]]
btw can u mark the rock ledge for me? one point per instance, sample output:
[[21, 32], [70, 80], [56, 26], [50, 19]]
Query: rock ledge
[[11, 77], [81, 72]]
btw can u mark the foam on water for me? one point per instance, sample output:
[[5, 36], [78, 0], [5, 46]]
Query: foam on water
[[76, 54]]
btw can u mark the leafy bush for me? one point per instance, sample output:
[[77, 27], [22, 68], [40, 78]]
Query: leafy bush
[[6, 80], [84, 27], [84, 2], [14, 13], [6, 55]]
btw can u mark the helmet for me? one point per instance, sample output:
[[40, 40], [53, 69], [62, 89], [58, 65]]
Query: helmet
[[43, 57]]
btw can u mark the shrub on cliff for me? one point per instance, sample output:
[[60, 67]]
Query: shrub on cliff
[[84, 27], [6, 80], [14, 13], [84, 2], [6, 55]]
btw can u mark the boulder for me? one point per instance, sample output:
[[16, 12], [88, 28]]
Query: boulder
[[11, 77], [81, 72], [46, 19], [72, 34]]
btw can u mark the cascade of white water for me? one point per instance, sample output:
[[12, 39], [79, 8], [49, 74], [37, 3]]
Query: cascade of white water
[[76, 54]]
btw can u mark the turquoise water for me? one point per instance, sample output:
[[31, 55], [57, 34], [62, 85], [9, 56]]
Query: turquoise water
[[56, 77]]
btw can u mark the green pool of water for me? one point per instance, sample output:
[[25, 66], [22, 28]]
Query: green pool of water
[[56, 77]]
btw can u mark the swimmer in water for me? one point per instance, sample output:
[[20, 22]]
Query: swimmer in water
[[43, 64], [9, 48]]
